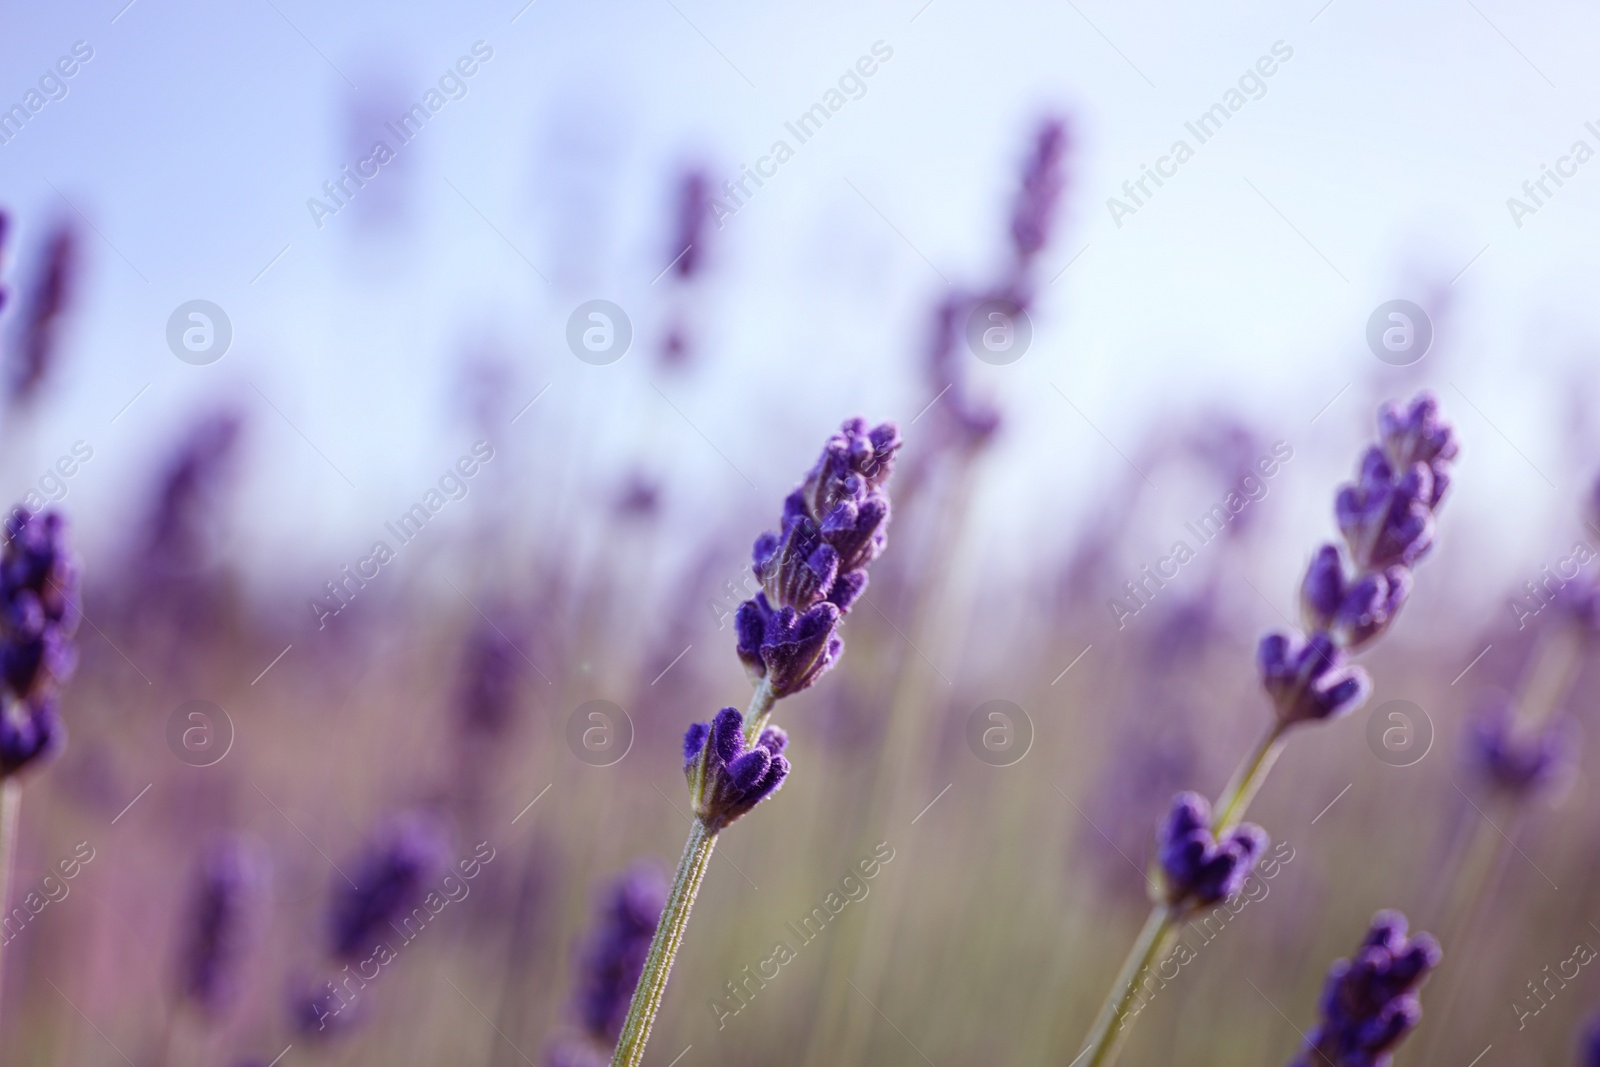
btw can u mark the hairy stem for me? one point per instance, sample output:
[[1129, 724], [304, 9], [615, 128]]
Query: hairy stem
[[1247, 780], [664, 946], [1111, 1025], [755, 719], [10, 812]]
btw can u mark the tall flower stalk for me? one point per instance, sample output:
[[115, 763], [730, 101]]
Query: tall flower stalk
[[38, 616], [811, 571], [1348, 600]]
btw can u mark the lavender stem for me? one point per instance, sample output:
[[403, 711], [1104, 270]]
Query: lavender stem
[[761, 704], [1248, 779], [669, 936], [10, 813], [1109, 1025]]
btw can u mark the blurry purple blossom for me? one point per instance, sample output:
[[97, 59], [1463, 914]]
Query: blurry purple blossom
[[1197, 868], [30, 362], [390, 879], [218, 921], [1369, 1003], [178, 530], [1309, 681], [615, 953], [39, 614], [1514, 761]]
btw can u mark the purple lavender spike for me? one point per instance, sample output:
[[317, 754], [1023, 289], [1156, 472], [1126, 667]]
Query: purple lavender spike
[[1369, 1003], [615, 953], [390, 879], [220, 915], [42, 322], [39, 578], [1518, 763], [1309, 681]]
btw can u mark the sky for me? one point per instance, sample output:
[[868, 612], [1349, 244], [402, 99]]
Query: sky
[[1376, 162]]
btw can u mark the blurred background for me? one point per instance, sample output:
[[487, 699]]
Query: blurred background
[[285, 284]]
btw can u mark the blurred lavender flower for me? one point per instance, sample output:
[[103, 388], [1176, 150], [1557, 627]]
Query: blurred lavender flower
[[1589, 1043], [391, 878], [688, 257], [1309, 681], [320, 1011], [834, 524], [39, 613], [178, 528], [1514, 762], [1198, 869], [1387, 518], [30, 363], [725, 778], [5, 231], [1369, 1003], [227, 892], [487, 698], [1043, 180], [615, 954]]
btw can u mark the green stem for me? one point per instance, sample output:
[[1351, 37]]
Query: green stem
[[664, 946], [1247, 780], [1111, 1025], [10, 812], [755, 720]]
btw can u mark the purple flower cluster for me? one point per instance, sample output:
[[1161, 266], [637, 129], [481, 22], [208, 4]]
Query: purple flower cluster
[[227, 891], [815, 567], [727, 778], [390, 879], [1387, 519], [1369, 1003], [38, 616], [1516, 762], [1197, 868], [1043, 180], [614, 956], [47, 306]]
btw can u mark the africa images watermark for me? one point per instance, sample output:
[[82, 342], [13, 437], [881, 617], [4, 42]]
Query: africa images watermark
[[737, 193], [1538, 191], [51, 87], [452, 85], [1203, 128], [1207, 528]]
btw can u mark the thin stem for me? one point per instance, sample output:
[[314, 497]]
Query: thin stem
[[1111, 1025], [1247, 780], [10, 813], [761, 702], [664, 946]]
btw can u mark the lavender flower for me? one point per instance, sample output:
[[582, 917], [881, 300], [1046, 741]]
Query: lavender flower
[[1387, 519], [1197, 868], [32, 360], [688, 245], [38, 616], [726, 779], [390, 879], [1309, 681], [834, 524], [1369, 1003], [489, 674], [227, 891], [615, 955], [1517, 763], [178, 531], [1042, 182]]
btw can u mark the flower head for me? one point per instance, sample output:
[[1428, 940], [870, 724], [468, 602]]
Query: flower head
[[389, 880], [814, 567], [1354, 612], [1199, 869], [1309, 681], [1414, 433], [1042, 182], [616, 951], [39, 614], [1369, 1003], [227, 890], [726, 779], [1516, 762]]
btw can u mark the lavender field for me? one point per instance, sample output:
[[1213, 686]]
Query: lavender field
[[908, 534]]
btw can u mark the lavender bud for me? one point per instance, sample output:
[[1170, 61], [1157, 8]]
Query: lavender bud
[[1369, 1003], [227, 891], [1309, 681], [43, 315], [1519, 764], [725, 779], [30, 731], [1198, 869], [390, 879], [791, 651], [615, 955], [1386, 520]]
